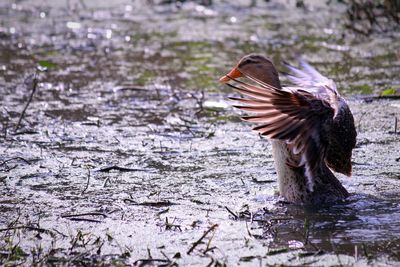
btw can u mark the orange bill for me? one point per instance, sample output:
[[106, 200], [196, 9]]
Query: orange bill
[[234, 73]]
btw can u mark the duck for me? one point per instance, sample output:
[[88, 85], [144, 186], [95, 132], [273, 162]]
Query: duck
[[309, 123]]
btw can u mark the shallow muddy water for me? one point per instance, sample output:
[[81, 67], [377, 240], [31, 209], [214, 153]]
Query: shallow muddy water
[[129, 151]]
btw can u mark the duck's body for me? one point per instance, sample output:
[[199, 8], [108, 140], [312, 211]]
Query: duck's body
[[310, 124]]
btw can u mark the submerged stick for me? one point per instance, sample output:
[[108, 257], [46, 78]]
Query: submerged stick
[[232, 213], [34, 85], [117, 168], [84, 214], [149, 261], [195, 244], [150, 204], [84, 220], [16, 158]]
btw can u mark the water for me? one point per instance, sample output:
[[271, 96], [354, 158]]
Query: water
[[135, 85]]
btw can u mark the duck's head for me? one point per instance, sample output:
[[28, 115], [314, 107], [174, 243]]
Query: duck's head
[[257, 67]]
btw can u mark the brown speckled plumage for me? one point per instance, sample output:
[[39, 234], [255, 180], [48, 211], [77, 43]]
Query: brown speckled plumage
[[310, 124]]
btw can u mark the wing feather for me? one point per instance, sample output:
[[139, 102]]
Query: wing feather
[[343, 134], [310, 79], [294, 116]]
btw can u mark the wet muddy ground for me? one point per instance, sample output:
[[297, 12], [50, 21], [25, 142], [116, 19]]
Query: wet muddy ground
[[129, 152]]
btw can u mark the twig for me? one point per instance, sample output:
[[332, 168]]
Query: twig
[[34, 85], [248, 230], [130, 87], [60, 233], [169, 226], [232, 213], [117, 168], [31, 228], [209, 248], [106, 181], [84, 214], [25, 132], [84, 220], [15, 158], [277, 251], [150, 204], [165, 255], [148, 261], [254, 180], [311, 253], [87, 182], [195, 244], [163, 211]]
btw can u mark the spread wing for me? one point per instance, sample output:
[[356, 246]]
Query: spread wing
[[309, 79], [295, 116], [342, 137]]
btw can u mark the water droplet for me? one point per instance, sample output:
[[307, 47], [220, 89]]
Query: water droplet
[[200, 8], [108, 33], [73, 25], [215, 104], [46, 86], [254, 38], [128, 8], [204, 10], [41, 68], [294, 244], [91, 36]]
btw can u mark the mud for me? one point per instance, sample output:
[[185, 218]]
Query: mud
[[129, 150]]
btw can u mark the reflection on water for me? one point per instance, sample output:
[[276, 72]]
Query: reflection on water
[[371, 224]]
